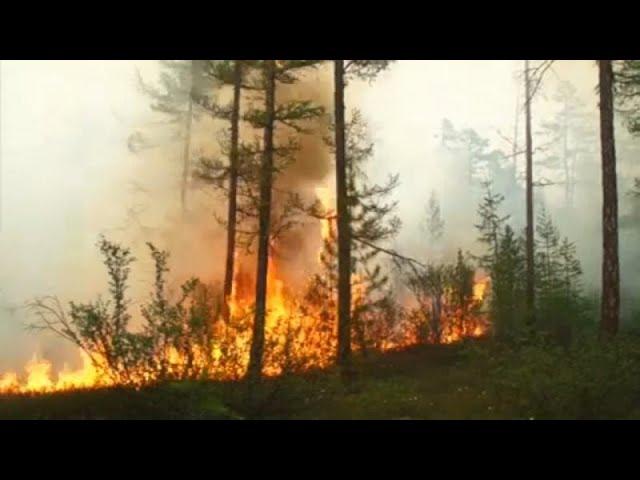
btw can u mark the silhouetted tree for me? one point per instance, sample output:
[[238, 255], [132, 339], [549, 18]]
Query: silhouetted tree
[[180, 83], [434, 220]]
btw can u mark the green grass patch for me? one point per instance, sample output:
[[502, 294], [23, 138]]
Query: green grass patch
[[480, 380]]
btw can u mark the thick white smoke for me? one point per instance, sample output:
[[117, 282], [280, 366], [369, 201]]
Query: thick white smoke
[[68, 176]]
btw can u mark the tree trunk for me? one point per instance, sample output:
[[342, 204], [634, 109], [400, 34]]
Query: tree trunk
[[233, 191], [344, 227], [186, 153], [529, 187], [609, 320], [254, 371]]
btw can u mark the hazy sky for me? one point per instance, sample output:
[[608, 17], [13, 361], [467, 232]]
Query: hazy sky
[[64, 162]]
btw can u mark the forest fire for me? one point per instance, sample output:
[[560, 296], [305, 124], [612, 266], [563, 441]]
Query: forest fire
[[297, 339], [300, 324], [300, 329], [38, 378]]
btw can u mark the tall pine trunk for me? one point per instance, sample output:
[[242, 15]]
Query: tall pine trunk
[[344, 226], [610, 314], [530, 277], [233, 190], [186, 152], [254, 371]]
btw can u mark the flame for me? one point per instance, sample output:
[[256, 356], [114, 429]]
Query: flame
[[297, 337], [480, 288], [38, 377], [325, 196], [294, 339]]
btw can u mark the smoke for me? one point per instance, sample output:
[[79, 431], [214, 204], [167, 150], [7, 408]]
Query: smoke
[[295, 253], [405, 109], [68, 176]]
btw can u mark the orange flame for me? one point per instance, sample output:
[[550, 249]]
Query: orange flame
[[297, 338]]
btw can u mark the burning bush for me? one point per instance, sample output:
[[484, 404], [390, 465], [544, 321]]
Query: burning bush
[[188, 338], [448, 302], [174, 342]]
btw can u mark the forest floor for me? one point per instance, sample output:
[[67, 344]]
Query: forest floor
[[429, 382], [426, 382], [478, 380]]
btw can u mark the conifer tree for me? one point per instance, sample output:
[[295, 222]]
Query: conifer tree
[[434, 221], [490, 226], [181, 81], [532, 78], [461, 298], [227, 73], [469, 148], [503, 260], [568, 139], [547, 264], [558, 274], [610, 316], [372, 223], [508, 285], [292, 115], [570, 270], [343, 72], [529, 235], [429, 286], [627, 89]]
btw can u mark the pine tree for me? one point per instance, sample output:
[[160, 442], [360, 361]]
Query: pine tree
[[292, 115], [372, 223], [508, 286], [429, 286], [434, 220], [627, 89], [530, 273], [469, 147], [322, 292], [472, 154], [570, 272], [490, 226], [181, 81], [532, 79], [610, 317], [460, 295], [343, 71], [547, 261], [234, 173], [504, 261], [558, 274], [568, 139], [227, 73]]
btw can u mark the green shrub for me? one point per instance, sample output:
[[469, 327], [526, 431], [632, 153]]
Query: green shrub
[[587, 380]]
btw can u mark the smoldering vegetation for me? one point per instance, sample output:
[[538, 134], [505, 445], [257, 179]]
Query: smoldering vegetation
[[460, 200]]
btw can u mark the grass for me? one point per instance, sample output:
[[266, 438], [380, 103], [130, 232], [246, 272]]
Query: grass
[[430, 382], [183, 401], [427, 382]]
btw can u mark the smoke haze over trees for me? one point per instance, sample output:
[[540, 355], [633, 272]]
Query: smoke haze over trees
[[69, 173]]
